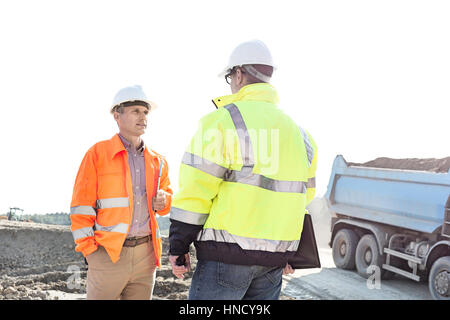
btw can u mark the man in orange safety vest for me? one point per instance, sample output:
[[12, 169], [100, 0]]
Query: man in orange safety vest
[[120, 186]]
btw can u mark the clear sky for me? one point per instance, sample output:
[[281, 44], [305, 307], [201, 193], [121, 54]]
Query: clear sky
[[365, 78]]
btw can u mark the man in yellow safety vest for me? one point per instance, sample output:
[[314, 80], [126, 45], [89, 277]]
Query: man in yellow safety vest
[[244, 183]]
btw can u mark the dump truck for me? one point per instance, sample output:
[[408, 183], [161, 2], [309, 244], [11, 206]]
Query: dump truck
[[393, 221]]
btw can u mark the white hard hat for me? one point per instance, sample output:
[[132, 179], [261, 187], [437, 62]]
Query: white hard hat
[[250, 52], [132, 93]]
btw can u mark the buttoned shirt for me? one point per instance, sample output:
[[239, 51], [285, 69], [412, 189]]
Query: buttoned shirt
[[140, 223]]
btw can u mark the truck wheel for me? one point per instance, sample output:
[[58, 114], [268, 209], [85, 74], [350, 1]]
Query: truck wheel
[[367, 254], [439, 279], [344, 248]]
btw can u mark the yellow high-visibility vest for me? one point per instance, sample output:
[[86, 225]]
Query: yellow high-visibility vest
[[247, 175]]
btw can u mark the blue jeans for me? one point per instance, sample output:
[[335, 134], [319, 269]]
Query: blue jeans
[[215, 280]]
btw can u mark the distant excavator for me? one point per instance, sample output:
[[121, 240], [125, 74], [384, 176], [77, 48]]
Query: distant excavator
[[13, 213]]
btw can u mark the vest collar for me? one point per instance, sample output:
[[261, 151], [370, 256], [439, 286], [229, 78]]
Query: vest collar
[[117, 145], [252, 92]]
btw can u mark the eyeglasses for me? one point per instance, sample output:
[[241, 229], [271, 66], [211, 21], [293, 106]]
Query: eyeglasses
[[228, 76], [230, 73]]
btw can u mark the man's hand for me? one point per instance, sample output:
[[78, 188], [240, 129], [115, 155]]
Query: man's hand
[[179, 271], [288, 269], [159, 202]]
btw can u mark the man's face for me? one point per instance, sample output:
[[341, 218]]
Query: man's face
[[133, 120]]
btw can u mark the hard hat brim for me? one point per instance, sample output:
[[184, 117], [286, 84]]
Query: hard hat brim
[[152, 104], [225, 71]]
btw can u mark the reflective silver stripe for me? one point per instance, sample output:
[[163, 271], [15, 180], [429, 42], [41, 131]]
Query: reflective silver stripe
[[311, 183], [308, 146], [188, 216], [248, 243], [84, 210], [82, 233], [121, 228], [258, 75], [112, 203], [158, 234], [204, 165], [246, 176], [244, 137], [261, 181]]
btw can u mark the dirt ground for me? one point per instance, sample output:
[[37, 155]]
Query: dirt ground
[[38, 262]]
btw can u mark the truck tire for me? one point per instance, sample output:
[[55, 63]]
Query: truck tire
[[439, 279], [344, 249], [368, 254]]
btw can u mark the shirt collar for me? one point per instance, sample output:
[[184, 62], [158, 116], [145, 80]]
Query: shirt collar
[[118, 146], [127, 145], [252, 92]]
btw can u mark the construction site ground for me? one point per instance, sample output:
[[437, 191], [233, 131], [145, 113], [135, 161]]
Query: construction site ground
[[38, 262]]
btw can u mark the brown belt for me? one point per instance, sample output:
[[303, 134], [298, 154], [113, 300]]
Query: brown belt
[[133, 242]]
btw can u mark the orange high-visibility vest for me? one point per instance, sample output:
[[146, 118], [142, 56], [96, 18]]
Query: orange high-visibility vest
[[102, 201]]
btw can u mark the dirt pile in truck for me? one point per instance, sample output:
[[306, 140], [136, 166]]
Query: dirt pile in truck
[[427, 164]]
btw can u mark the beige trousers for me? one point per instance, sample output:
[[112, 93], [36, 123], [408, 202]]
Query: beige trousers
[[130, 278]]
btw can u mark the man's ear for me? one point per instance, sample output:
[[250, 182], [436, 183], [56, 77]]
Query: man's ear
[[116, 115], [239, 77]]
